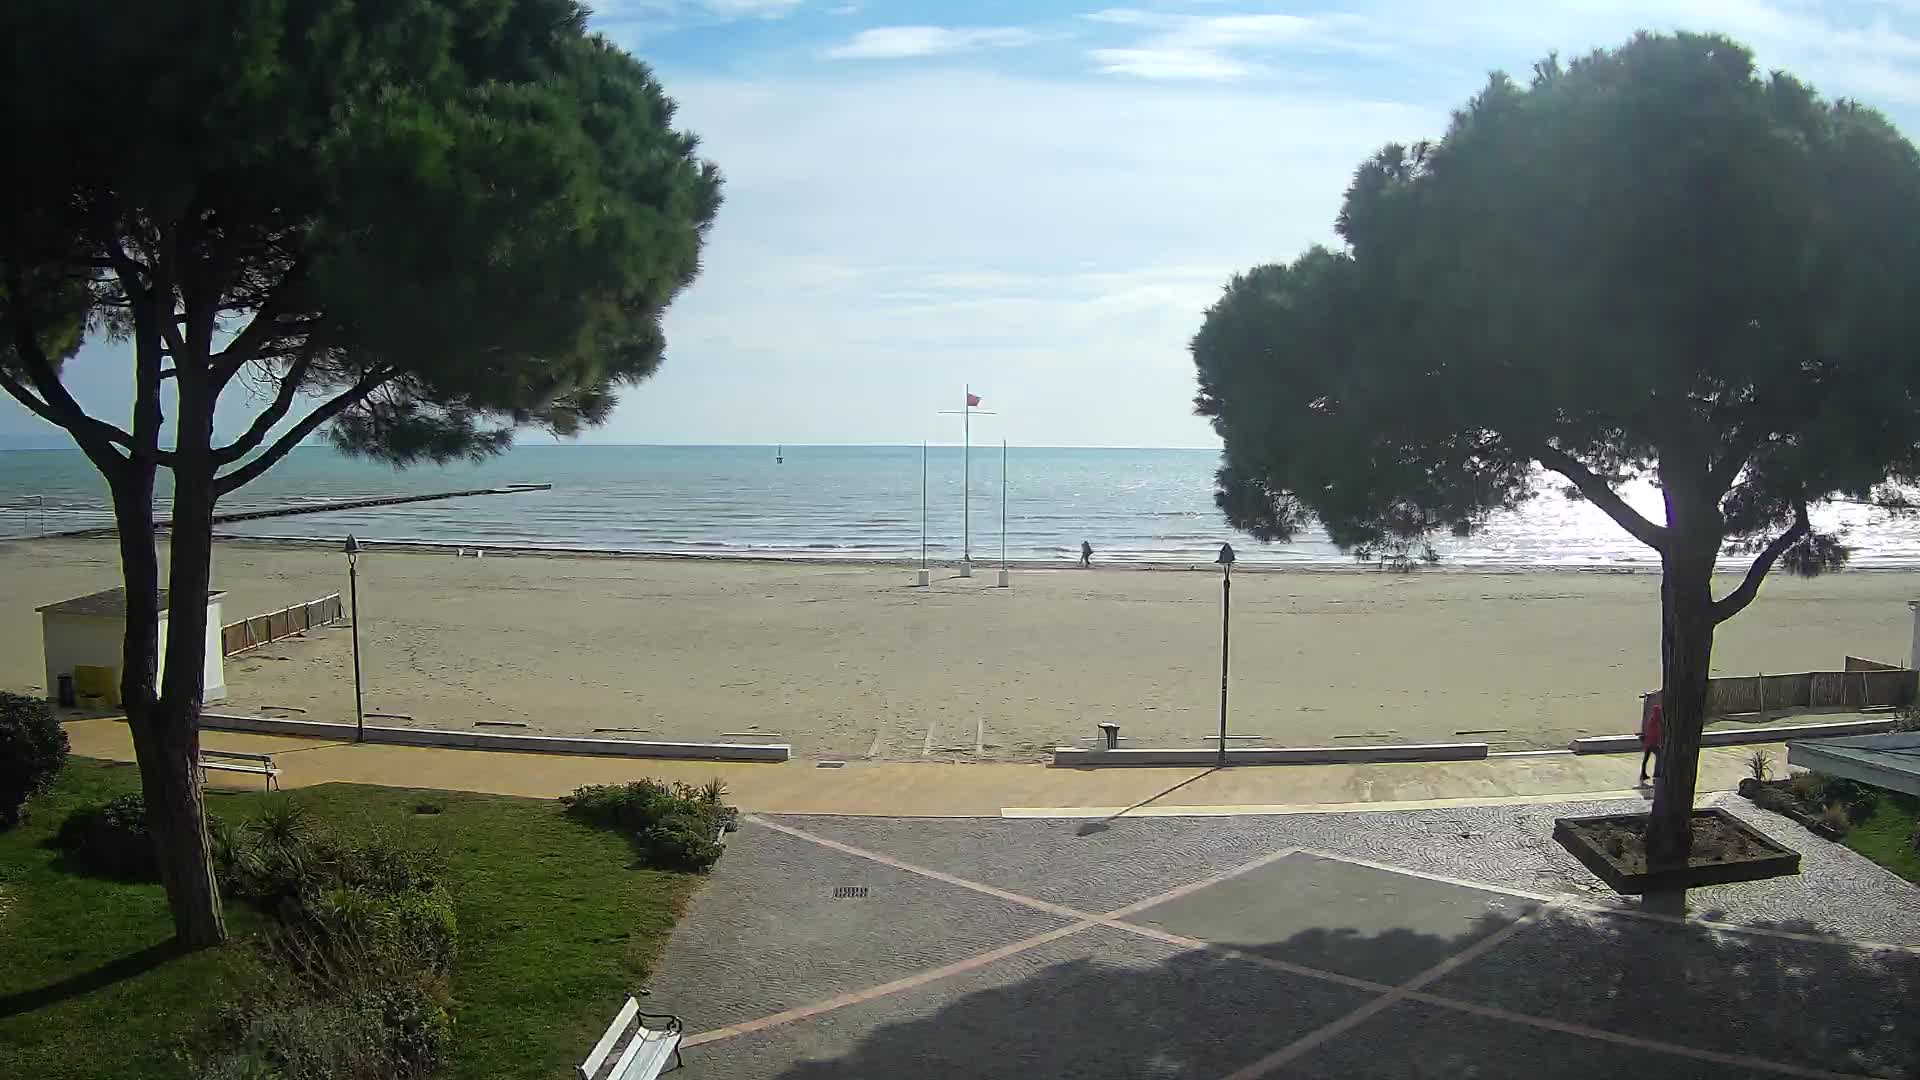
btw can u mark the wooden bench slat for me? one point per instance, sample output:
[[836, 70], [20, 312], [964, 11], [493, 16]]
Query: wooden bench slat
[[649, 1053], [626, 1059], [267, 758], [588, 1069]]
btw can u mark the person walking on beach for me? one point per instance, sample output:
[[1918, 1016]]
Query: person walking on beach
[[1649, 738], [1086, 555]]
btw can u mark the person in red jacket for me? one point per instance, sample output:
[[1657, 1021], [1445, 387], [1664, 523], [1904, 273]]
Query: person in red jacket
[[1649, 738]]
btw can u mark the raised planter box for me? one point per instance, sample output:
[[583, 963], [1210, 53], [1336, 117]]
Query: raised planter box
[[1725, 850]]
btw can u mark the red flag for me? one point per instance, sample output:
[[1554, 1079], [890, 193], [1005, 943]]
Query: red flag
[[972, 400]]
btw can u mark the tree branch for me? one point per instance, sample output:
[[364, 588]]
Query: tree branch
[[1720, 478], [1734, 602], [293, 436], [97, 437], [28, 398], [275, 412], [1600, 494], [261, 329]]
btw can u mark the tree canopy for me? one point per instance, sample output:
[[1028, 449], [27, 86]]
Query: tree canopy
[[1651, 261], [440, 218], [413, 224]]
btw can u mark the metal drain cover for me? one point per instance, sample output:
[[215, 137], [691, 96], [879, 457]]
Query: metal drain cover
[[850, 892]]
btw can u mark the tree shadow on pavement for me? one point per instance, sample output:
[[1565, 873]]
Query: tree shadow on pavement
[[1107, 1004]]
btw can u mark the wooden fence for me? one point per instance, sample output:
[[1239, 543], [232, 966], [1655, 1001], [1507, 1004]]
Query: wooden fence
[[1863, 684], [252, 633]]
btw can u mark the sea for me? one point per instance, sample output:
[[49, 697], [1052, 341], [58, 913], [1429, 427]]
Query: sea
[[849, 503]]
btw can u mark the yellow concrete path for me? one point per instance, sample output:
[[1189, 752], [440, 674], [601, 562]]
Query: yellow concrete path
[[917, 789]]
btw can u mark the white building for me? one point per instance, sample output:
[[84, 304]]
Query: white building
[[88, 631]]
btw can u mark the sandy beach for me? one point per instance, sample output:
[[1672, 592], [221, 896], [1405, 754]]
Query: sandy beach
[[853, 662]]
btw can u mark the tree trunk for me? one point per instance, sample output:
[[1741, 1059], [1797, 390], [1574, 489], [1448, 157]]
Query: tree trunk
[[1686, 647], [166, 742], [168, 746], [183, 846]]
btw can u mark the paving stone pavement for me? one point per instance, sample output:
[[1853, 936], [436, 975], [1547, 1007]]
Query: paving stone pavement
[[1456, 942]]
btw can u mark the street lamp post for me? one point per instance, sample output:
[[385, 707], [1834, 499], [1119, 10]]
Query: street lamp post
[[1226, 606], [353, 589]]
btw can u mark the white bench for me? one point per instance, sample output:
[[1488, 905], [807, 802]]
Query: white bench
[[235, 761], [643, 1050]]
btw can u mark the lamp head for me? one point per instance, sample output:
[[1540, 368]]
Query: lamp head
[[1226, 555], [352, 546]]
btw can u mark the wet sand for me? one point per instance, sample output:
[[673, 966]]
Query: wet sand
[[852, 661]]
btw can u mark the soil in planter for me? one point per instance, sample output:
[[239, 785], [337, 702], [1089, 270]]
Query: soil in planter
[[1715, 842]]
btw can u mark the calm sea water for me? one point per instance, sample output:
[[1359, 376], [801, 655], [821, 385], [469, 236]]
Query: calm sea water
[[840, 502]]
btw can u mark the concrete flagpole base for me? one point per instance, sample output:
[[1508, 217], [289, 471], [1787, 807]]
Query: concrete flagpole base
[[966, 568]]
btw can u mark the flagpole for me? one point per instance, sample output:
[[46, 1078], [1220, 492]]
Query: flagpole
[[966, 484], [1003, 514], [923, 577]]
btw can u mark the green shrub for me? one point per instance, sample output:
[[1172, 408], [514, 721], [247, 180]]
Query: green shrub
[[33, 750], [365, 940], [400, 1030], [1808, 788], [1772, 798], [1835, 817], [682, 841], [110, 839], [674, 827], [627, 807]]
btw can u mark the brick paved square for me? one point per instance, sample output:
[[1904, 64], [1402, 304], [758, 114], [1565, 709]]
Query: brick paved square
[[767, 934], [1819, 1005], [1099, 1005], [1093, 865], [1413, 1041], [1339, 916]]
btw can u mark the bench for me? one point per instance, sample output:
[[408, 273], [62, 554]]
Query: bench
[[643, 1050], [235, 761]]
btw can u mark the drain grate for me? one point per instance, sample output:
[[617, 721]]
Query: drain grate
[[850, 892]]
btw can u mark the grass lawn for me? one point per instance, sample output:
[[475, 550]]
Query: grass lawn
[[556, 926], [1887, 836]]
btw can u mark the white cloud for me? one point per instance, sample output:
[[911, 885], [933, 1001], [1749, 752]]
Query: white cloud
[[1844, 49], [844, 9], [742, 9], [665, 15], [1217, 47], [896, 42], [1165, 63]]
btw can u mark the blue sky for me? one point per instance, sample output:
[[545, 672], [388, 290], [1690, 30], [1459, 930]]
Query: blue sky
[[1041, 198]]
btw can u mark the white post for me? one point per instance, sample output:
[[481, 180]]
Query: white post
[[1913, 658], [966, 482], [924, 577], [1005, 578]]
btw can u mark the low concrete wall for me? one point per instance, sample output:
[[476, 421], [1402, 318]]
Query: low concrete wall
[[1081, 757], [1627, 744], [478, 740]]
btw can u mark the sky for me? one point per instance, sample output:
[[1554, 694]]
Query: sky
[[1040, 199]]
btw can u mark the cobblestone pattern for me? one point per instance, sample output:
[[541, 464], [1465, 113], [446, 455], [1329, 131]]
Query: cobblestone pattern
[[1843, 1009], [1412, 1041], [766, 933], [1837, 892], [1099, 1005]]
